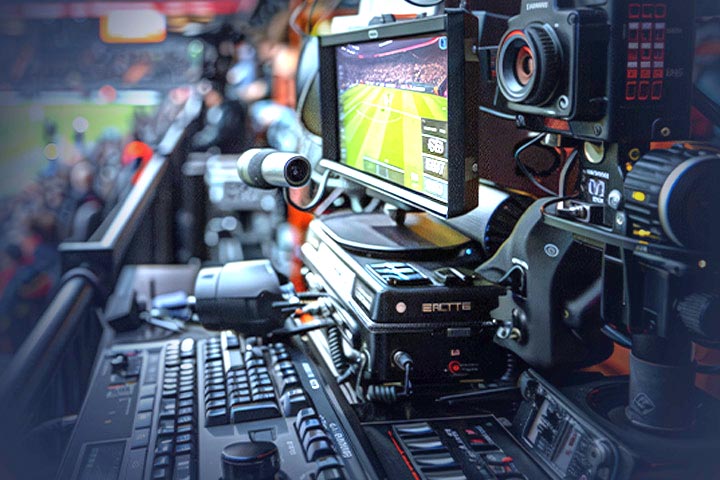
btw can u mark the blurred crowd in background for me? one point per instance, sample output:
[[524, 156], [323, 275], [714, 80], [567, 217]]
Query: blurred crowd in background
[[62, 183]]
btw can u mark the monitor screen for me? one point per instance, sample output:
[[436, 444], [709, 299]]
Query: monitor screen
[[399, 108], [393, 111]]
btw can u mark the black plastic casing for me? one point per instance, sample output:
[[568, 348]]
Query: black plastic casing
[[605, 103]]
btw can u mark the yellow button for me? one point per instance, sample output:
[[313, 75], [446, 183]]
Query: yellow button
[[639, 196]]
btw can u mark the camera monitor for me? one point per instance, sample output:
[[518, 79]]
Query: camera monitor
[[398, 108]]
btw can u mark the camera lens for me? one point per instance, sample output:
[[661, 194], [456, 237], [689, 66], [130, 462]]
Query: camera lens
[[297, 171], [675, 194], [529, 64], [524, 65]]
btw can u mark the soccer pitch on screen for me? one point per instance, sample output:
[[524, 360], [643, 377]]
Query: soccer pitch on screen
[[382, 125]]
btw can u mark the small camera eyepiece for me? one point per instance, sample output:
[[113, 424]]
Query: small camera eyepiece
[[297, 171], [268, 168]]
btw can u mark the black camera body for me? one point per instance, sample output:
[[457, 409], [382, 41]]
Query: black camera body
[[599, 70]]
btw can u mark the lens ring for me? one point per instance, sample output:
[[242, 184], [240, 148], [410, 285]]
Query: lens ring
[[528, 65], [514, 87]]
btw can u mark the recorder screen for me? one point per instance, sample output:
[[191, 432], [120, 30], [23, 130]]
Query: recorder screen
[[393, 111]]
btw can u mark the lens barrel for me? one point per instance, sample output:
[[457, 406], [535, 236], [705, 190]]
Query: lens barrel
[[529, 65]]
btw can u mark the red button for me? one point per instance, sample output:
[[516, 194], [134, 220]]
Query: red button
[[507, 460], [454, 366], [478, 441], [470, 432]]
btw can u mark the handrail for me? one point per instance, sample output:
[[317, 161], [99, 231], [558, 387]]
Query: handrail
[[117, 231], [39, 356]]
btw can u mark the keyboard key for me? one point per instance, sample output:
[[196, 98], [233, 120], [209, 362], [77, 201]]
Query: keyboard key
[[182, 448], [160, 473], [183, 468], [216, 416], [135, 464], [145, 404], [254, 411], [143, 419], [140, 438], [161, 461], [319, 449]]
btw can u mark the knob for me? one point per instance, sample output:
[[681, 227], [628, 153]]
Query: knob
[[250, 461], [119, 363], [598, 453]]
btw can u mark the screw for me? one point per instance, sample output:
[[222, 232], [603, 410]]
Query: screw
[[475, 168], [520, 121], [620, 219], [665, 132], [563, 102], [597, 129], [614, 199], [572, 19], [474, 49]]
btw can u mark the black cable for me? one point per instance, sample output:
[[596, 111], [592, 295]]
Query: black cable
[[337, 355], [382, 393], [564, 172], [524, 169], [318, 195]]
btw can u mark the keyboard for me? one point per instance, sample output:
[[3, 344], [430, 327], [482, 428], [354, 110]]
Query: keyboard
[[168, 410]]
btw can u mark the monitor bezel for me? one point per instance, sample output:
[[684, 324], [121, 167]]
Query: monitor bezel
[[463, 83]]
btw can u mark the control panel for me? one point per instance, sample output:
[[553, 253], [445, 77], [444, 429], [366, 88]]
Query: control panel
[[556, 435]]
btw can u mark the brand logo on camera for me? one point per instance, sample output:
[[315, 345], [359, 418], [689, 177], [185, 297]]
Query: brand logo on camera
[[536, 6], [446, 307]]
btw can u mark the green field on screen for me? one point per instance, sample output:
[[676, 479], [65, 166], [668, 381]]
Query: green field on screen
[[382, 126]]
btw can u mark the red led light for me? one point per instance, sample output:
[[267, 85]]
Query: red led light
[[632, 55], [454, 366], [657, 73], [632, 73], [645, 73]]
